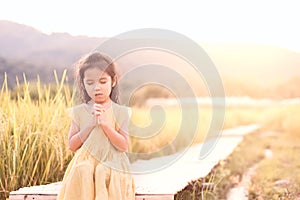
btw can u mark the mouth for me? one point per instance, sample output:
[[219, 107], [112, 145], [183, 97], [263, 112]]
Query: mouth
[[98, 94]]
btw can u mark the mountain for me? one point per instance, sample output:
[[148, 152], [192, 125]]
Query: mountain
[[246, 69], [24, 43]]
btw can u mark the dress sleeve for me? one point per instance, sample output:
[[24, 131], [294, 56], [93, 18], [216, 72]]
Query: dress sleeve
[[126, 121], [124, 118], [73, 114]]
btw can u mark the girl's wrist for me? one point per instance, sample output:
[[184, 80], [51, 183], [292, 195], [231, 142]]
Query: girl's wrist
[[103, 124], [80, 137]]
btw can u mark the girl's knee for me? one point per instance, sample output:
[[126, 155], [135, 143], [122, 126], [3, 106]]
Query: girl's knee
[[85, 168]]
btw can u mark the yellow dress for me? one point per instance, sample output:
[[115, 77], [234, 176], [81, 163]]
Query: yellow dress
[[98, 171]]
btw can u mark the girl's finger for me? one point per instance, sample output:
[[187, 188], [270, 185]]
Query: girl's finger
[[98, 106], [99, 112]]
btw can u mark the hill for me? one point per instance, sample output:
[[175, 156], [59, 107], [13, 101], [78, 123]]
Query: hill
[[26, 44], [246, 69]]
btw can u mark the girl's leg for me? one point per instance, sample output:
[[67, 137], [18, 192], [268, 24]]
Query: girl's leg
[[102, 182], [80, 184]]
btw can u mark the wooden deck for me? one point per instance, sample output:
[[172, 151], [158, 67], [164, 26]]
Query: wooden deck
[[162, 184]]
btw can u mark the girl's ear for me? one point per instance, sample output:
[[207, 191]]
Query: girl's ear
[[114, 82]]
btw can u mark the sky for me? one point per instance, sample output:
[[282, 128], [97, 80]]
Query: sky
[[257, 21]]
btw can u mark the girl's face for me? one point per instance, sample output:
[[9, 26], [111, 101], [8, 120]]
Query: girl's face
[[98, 85]]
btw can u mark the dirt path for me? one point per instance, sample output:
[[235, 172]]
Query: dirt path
[[241, 191]]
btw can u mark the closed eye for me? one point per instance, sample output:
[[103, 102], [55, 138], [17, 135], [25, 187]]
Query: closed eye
[[103, 80], [89, 82]]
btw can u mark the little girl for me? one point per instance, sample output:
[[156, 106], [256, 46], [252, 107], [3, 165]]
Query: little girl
[[99, 136]]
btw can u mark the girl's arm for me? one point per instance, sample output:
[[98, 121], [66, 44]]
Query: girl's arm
[[118, 138], [77, 136]]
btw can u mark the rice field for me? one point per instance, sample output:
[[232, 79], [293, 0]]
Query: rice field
[[33, 136]]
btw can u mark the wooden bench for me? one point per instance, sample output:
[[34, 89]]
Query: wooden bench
[[162, 184]]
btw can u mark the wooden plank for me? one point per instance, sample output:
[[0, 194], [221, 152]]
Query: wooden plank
[[32, 197], [154, 197], [188, 166], [49, 189], [53, 197]]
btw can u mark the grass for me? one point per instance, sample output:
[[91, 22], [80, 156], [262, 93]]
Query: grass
[[279, 176], [283, 166], [32, 136], [174, 134]]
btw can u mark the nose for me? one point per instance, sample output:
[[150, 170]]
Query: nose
[[97, 86]]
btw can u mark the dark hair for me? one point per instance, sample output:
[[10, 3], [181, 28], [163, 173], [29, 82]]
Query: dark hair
[[102, 62]]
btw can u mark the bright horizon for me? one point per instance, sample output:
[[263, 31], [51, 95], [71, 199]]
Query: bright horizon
[[260, 22]]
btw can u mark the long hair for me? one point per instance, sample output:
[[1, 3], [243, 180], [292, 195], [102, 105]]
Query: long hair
[[102, 62]]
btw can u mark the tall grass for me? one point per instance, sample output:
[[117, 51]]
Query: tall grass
[[33, 135]]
